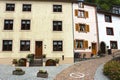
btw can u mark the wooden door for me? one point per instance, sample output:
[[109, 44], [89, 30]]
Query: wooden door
[[38, 49], [94, 48]]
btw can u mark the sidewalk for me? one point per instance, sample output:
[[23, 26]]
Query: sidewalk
[[99, 74], [86, 67], [30, 72]]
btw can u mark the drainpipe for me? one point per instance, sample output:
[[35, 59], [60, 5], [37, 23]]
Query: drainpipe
[[97, 29]]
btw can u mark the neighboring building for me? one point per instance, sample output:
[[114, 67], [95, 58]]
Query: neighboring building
[[116, 9], [109, 30], [85, 29], [36, 27]]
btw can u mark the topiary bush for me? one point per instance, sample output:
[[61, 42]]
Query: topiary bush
[[112, 70]]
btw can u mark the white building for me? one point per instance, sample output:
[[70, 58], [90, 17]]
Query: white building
[[109, 30], [85, 28]]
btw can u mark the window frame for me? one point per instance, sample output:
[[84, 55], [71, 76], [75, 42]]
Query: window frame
[[26, 9], [8, 46], [116, 43], [23, 47], [25, 26], [57, 8], [111, 29], [108, 16], [11, 7], [56, 47], [57, 27], [8, 26]]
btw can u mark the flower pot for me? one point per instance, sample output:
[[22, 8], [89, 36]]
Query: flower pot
[[42, 75]]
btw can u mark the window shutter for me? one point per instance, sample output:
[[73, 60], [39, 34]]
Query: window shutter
[[85, 44], [86, 14], [77, 27], [87, 28], [74, 44], [76, 12]]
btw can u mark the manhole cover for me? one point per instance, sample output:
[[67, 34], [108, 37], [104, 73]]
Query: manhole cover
[[77, 75]]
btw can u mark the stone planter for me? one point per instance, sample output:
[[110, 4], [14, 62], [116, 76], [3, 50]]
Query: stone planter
[[18, 72], [42, 75]]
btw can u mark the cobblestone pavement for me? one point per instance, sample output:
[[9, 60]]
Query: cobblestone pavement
[[88, 68]]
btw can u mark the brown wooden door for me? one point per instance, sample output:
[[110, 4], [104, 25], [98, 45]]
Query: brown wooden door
[[38, 49], [94, 48]]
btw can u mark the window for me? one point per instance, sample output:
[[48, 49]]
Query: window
[[82, 27], [7, 45], [80, 44], [80, 5], [116, 10], [108, 18], [26, 7], [10, 7], [57, 45], [24, 45], [109, 31], [57, 8], [113, 44], [57, 25], [25, 25], [81, 13], [8, 24]]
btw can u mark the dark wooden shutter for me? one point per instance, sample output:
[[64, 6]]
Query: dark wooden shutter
[[76, 12]]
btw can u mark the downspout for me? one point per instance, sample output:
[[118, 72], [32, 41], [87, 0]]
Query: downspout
[[97, 29], [73, 28]]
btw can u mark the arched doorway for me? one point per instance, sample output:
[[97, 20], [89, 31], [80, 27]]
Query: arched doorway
[[103, 47]]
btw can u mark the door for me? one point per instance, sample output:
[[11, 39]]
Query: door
[[103, 47], [94, 48], [38, 49]]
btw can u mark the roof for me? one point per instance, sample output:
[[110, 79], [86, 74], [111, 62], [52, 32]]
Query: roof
[[108, 13], [44, 0]]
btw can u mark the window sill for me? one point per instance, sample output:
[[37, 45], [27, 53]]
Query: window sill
[[24, 51], [57, 12], [80, 48], [7, 30], [8, 51], [25, 30], [57, 51]]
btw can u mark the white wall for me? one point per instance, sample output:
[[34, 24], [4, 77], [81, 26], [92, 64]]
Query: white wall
[[91, 21], [102, 29]]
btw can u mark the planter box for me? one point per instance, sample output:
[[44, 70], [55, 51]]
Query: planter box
[[18, 72], [42, 75]]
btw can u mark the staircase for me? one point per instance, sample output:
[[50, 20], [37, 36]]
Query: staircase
[[37, 62], [116, 53]]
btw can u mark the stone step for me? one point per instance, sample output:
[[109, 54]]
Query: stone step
[[37, 62]]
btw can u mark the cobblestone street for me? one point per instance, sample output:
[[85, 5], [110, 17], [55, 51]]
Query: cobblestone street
[[88, 68]]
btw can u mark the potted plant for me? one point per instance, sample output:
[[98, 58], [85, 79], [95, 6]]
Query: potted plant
[[30, 59], [15, 62], [18, 71], [22, 62], [42, 74], [84, 56]]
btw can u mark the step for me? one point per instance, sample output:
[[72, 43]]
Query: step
[[37, 62]]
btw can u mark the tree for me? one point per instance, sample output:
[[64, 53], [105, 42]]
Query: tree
[[105, 4]]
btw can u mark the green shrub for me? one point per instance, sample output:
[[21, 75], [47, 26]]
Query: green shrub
[[22, 62], [30, 57], [112, 70]]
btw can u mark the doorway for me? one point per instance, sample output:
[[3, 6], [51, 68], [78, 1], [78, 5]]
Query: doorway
[[38, 49], [94, 48]]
